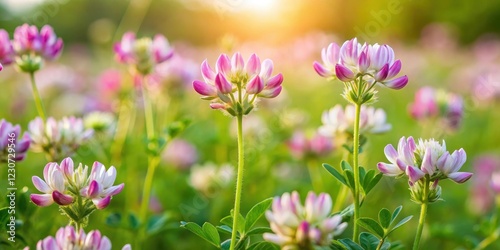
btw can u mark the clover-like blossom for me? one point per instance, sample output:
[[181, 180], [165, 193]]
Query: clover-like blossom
[[431, 103], [144, 53], [375, 63], [301, 146], [100, 185], [58, 138], [235, 83], [53, 187], [6, 50], [11, 142], [68, 239], [427, 158], [303, 227], [339, 121]]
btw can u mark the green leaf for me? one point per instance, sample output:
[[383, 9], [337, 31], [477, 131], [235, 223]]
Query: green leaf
[[337, 245], [384, 217], [211, 233], [156, 223], [347, 213], [226, 245], [348, 148], [335, 173], [373, 182], [259, 230], [4, 215], [256, 212], [372, 226], [133, 221], [368, 241], [350, 245], [228, 220], [350, 178], [225, 229], [401, 222], [362, 173], [396, 213], [365, 182], [345, 165], [263, 245], [114, 220]]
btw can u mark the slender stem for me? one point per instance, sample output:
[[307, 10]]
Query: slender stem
[[355, 167], [153, 160], [380, 244], [488, 240], [423, 213], [36, 96], [239, 181]]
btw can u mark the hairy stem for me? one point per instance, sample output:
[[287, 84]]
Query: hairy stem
[[423, 213], [239, 181], [355, 167], [36, 97]]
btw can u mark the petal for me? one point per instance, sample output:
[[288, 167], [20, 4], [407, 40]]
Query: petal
[[67, 167], [271, 93], [114, 190], [105, 244], [110, 177], [321, 70], [397, 83], [391, 153], [274, 81], [102, 203], [207, 72], [253, 65], [394, 69], [382, 74], [203, 88], [389, 169], [267, 68], [223, 64], [93, 190], [216, 105], [41, 185], [255, 85], [414, 174], [427, 164], [222, 84], [62, 199], [343, 73], [237, 62], [127, 247], [363, 62], [42, 200], [460, 177]]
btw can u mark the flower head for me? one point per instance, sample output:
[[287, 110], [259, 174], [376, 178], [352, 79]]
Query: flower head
[[6, 50], [32, 47], [58, 138], [144, 53], [301, 227], [12, 143], [235, 84], [361, 66], [301, 146], [68, 239], [53, 186], [100, 185], [99, 122]]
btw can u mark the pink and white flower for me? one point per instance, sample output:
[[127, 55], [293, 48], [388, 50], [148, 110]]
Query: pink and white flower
[[10, 138], [53, 186], [301, 227], [28, 40], [100, 185]]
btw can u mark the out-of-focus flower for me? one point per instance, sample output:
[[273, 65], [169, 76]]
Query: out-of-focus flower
[[100, 185], [370, 64], [486, 170], [6, 50], [317, 146], [68, 239], [338, 121], [495, 182], [11, 142], [110, 81], [486, 88], [63, 184], [58, 138], [53, 186], [431, 103], [303, 227], [180, 153], [428, 159], [235, 85], [144, 53], [208, 178], [99, 122], [32, 47]]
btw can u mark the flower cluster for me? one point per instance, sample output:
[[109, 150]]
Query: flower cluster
[[30, 47], [67, 238], [100, 122], [362, 66], [143, 54], [209, 177], [431, 103], [339, 121], [303, 227], [235, 85], [63, 185], [301, 146], [58, 139], [427, 161], [10, 138]]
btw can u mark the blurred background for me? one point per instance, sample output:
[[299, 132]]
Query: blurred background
[[449, 45]]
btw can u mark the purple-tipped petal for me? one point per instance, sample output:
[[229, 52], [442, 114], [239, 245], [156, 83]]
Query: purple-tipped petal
[[102, 203], [271, 93], [223, 64], [237, 62], [62, 199], [222, 84], [397, 83], [394, 69], [343, 73], [255, 85], [207, 72], [382, 74], [321, 70], [414, 174], [391, 153], [253, 65], [363, 62], [93, 189], [303, 232], [460, 177], [274, 81], [41, 200], [216, 105], [204, 88], [114, 190], [389, 169], [40, 185], [427, 164]]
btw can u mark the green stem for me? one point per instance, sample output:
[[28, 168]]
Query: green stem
[[153, 160], [36, 96], [239, 182], [423, 213], [380, 244], [488, 240], [355, 167]]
